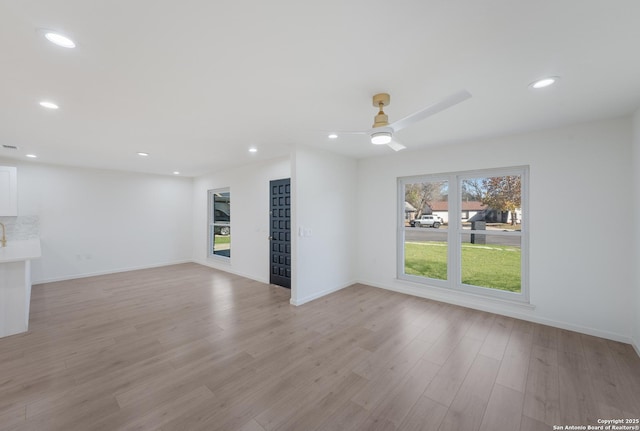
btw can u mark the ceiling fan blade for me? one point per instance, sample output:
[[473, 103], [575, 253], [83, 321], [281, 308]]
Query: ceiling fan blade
[[352, 132], [443, 104], [396, 146]]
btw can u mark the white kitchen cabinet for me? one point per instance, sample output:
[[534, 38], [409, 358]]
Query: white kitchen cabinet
[[8, 191]]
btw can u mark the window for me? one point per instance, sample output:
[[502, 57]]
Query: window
[[220, 223], [425, 245], [484, 251]]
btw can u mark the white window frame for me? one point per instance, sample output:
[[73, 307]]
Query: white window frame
[[212, 223], [454, 232]]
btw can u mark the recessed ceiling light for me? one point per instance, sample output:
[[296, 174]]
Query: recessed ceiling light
[[545, 82], [48, 105], [59, 40], [253, 150], [31, 156], [143, 154], [176, 173], [333, 136]]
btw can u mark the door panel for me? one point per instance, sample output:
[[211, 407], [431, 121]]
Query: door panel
[[280, 233]]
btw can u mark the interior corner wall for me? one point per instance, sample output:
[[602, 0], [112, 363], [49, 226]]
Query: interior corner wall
[[249, 187], [324, 226], [94, 221], [636, 226], [580, 259]]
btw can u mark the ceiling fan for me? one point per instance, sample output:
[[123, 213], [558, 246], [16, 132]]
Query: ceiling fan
[[382, 132]]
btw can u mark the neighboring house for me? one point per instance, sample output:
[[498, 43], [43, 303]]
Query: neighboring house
[[409, 212], [441, 209]]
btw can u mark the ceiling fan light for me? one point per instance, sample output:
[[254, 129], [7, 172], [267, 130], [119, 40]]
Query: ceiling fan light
[[380, 138]]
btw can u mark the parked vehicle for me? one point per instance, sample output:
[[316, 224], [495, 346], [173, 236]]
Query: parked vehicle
[[427, 220], [222, 230]]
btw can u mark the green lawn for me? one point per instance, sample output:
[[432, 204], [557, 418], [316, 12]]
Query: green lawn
[[223, 239], [427, 259], [494, 266]]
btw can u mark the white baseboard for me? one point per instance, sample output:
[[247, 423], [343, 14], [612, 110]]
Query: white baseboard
[[300, 301], [137, 268], [107, 272], [517, 311], [228, 268]]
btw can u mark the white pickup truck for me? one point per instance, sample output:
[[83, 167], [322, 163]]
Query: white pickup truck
[[427, 220]]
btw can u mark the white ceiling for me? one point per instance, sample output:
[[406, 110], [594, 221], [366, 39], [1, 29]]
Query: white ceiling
[[195, 83]]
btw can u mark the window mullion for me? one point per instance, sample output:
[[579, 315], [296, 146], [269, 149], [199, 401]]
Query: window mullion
[[454, 231]]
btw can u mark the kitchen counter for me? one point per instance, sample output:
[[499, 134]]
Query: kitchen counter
[[15, 285], [16, 251]]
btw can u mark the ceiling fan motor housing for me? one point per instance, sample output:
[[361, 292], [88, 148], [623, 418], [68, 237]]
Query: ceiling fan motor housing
[[381, 120]]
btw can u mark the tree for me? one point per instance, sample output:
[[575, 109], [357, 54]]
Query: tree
[[497, 193], [503, 194], [472, 190], [421, 194]]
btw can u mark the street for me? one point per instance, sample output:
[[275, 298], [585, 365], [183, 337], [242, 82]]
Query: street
[[431, 234]]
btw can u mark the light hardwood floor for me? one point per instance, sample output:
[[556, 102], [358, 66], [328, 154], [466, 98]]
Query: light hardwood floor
[[187, 347]]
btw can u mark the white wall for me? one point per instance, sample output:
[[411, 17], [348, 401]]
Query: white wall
[[324, 201], [98, 221], [581, 272], [249, 216], [636, 225]]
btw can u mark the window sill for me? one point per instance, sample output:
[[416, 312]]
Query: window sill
[[447, 294], [220, 259]]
